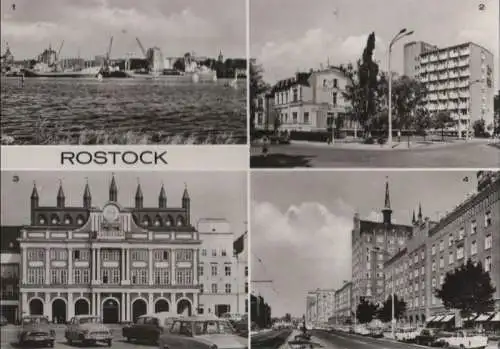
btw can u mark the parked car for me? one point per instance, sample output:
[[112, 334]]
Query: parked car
[[202, 332], [35, 329], [88, 330], [465, 340], [148, 328], [429, 337], [3, 320]]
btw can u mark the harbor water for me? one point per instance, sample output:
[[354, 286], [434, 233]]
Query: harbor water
[[59, 111]]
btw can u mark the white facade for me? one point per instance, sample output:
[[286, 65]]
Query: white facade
[[320, 305], [222, 276]]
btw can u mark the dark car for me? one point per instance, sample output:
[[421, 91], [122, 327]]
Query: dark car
[[429, 337], [35, 329], [148, 328]]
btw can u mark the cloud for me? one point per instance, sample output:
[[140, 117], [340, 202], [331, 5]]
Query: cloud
[[283, 59], [306, 247]]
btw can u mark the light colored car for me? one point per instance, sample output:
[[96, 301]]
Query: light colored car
[[466, 340], [202, 332], [88, 330], [36, 329]]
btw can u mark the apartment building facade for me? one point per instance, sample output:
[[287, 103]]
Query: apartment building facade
[[265, 115], [373, 244], [311, 307], [343, 304], [114, 262], [223, 276], [459, 80], [10, 259], [320, 305], [309, 101]]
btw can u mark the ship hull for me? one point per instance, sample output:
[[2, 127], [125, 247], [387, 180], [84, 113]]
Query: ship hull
[[33, 74], [187, 77]]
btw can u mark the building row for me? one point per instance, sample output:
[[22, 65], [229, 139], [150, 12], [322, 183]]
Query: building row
[[120, 262], [320, 305], [412, 260], [459, 80]]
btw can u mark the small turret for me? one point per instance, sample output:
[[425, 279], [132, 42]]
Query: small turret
[[60, 196], [139, 199], [186, 203], [87, 197], [387, 211], [113, 190], [162, 198]]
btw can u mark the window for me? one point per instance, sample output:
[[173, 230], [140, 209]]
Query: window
[[450, 258], [335, 83], [294, 117], [473, 227], [228, 288], [460, 252], [59, 276], [214, 269], [161, 276], [214, 253], [306, 117], [214, 288], [160, 255], [223, 252], [441, 246], [81, 276], [183, 255], [204, 252], [81, 255], [441, 262], [487, 242], [201, 309], [473, 248], [487, 219], [246, 271], [227, 270], [433, 250], [450, 240], [36, 276], [461, 233], [110, 255], [415, 259], [295, 95], [487, 264], [110, 275], [200, 270], [202, 288], [334, 99], [139, 276], [184, 276], [441, 279], [139, 255], [246, 287], [58, 254], [433, 265], [36, 254], [433, 283]]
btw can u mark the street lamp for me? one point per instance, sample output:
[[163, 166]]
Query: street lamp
[[467, 136], [402, 33], [393, 317]]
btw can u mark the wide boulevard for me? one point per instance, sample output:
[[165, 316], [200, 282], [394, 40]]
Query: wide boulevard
[[459, 155]]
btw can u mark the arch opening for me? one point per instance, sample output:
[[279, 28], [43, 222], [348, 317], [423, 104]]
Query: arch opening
[[139, 307], [36, 307], [82, 307], [184, 307], [59, 311]]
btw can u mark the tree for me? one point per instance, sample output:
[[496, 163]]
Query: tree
[[275, 116], [365, 312], [496, 114], [385, 312], [179, 65], [423, 122], [257, 86], [442, 120], [288, 317], [479, 127], [468, 288]]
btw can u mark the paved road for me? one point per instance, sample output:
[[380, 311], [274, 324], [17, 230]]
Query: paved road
[[340, 340], [459, 155], [270, 339]]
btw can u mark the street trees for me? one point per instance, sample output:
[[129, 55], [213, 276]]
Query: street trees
[[468, 288], [385, 312], [257, 86], [479, 127], [442, 120], [366, 311]]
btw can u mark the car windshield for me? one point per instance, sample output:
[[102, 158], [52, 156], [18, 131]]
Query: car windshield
[[212, 327], [90, 320], [35, 321]]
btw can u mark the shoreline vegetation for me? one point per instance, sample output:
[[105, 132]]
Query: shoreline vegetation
[[107, 137]]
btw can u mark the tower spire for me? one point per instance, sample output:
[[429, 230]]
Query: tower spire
[[413, 220], [138, 195], [60, 195], [87, 197], [387, 211], [113, 190], [420, 211], [162, 198]]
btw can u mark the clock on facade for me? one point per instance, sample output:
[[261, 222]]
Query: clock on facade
[[110, 213]]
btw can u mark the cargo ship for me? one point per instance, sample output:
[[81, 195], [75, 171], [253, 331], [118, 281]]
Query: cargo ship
[[42, 70]]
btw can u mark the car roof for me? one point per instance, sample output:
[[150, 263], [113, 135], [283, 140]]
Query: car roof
[[200, 318], [160, 315]]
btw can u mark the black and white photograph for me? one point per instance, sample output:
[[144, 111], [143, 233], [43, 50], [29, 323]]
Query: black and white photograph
[[375, 259], [367, 84], [123, 72], [127, 260]]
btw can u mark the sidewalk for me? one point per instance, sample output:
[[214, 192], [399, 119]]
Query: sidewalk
[[378, 147]]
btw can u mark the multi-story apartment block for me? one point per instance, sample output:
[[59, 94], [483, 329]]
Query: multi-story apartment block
[[373, 243], [311, 307], [406, 272], [459, 79], [470, 231], [114, 262], [312, 101], [325, 305], [10, 259], [222, 274], [343, 304]]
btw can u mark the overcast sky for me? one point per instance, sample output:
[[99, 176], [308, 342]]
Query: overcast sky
[[176, 26], [213, 194], [288, 35], [301, 223]]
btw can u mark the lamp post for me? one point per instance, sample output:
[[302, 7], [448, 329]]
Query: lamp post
[[467, 136], [393, 293], [402, 33]]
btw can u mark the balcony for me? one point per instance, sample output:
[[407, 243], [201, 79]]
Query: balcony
[[465, 73], [443, 76], [433, 58], [462, 105], [452, 65], [433, 78], [453, 95], [424, 59], [464, 52], [463, 63], [453, 54], [443, 55]]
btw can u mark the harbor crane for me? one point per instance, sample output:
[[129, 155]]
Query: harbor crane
[[142, 48]]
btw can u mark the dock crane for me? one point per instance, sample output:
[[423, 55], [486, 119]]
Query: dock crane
[[142, 48], [108, 53]]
